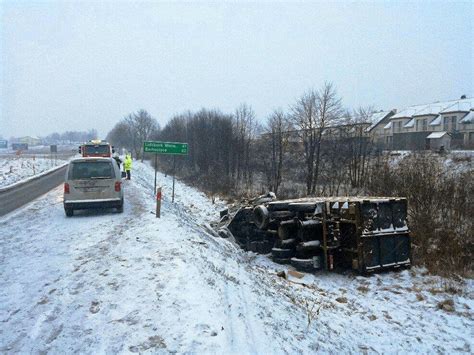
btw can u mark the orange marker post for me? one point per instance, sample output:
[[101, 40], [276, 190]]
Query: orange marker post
[[158, 202]]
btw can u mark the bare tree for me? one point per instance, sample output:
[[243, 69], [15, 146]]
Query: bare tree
[[359, 144], [329, 112], [277, 130], [120, 136], [312, 114], [304, 118], [245, 127], [133, 130], [140, 127]]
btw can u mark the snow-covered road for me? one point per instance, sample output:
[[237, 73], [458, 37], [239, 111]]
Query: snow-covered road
[[106, 282]]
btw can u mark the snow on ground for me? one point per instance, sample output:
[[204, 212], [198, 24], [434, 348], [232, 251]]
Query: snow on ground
[[456, 161], [106, 282], [16, 168]]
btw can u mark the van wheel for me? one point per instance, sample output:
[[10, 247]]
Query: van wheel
[[69, 212], [120, 208]]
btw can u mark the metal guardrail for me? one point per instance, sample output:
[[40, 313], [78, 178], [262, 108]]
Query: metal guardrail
[[19, 194]]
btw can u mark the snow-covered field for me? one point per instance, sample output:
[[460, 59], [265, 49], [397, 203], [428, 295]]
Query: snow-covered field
[[16, 168], [105, 282]]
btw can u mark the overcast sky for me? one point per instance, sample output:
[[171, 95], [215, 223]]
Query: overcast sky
[[81, 65]]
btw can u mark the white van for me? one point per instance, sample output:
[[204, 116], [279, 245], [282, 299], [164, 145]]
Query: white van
[[92, 183]]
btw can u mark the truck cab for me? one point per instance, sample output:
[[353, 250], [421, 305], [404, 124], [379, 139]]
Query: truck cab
[[96, 148]]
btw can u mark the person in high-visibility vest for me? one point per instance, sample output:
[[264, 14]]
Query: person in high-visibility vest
[[127, 165]]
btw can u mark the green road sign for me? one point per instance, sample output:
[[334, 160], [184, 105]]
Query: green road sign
[[165, 147]]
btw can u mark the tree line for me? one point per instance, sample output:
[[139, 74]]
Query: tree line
[[67, 137], [314, 147]]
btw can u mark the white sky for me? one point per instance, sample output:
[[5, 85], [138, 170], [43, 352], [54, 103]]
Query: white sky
[[81, 65]]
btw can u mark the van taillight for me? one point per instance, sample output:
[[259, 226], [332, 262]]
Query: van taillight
[[66, 188], [117, 186]]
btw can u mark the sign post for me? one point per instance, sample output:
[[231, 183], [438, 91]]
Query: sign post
[[167, 148], [54, 149]]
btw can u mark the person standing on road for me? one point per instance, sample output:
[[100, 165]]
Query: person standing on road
[[117, 159], [127, 165]]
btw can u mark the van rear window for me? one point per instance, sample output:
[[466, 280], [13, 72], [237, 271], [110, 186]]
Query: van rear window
[[92, 170]]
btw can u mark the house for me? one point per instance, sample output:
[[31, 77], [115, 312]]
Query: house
[[411, 128], [31, 141], [377, 128]]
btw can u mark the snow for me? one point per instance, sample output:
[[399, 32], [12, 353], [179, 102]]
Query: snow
[[460, 106], [435, 108], [14, 169], [312, 243], [431, 110], [102, 282], [408, 112]]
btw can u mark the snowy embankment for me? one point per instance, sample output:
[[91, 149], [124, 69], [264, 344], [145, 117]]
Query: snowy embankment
[[17, 168], [106, 282]]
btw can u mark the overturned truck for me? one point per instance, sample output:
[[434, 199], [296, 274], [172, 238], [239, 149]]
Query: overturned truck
[[366, 234]]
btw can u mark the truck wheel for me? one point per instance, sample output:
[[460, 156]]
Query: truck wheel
[[302, 264], [120, 207], [288, 243], [261, 217], [278, 253], [69, 212]]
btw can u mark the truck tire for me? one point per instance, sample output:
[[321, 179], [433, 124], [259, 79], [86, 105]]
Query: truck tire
[[311, 246], [288, 243], [278, 253], [69, 212], [261, 216], [302, 264]]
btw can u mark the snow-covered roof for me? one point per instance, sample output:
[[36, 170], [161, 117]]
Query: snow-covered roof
[[388, 125], [410, 123], [469, 118], [408, 112], [30, 137], [435, 108], [436, 121], [432, 109], [376, 118], [460, 106], [436, 135]]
